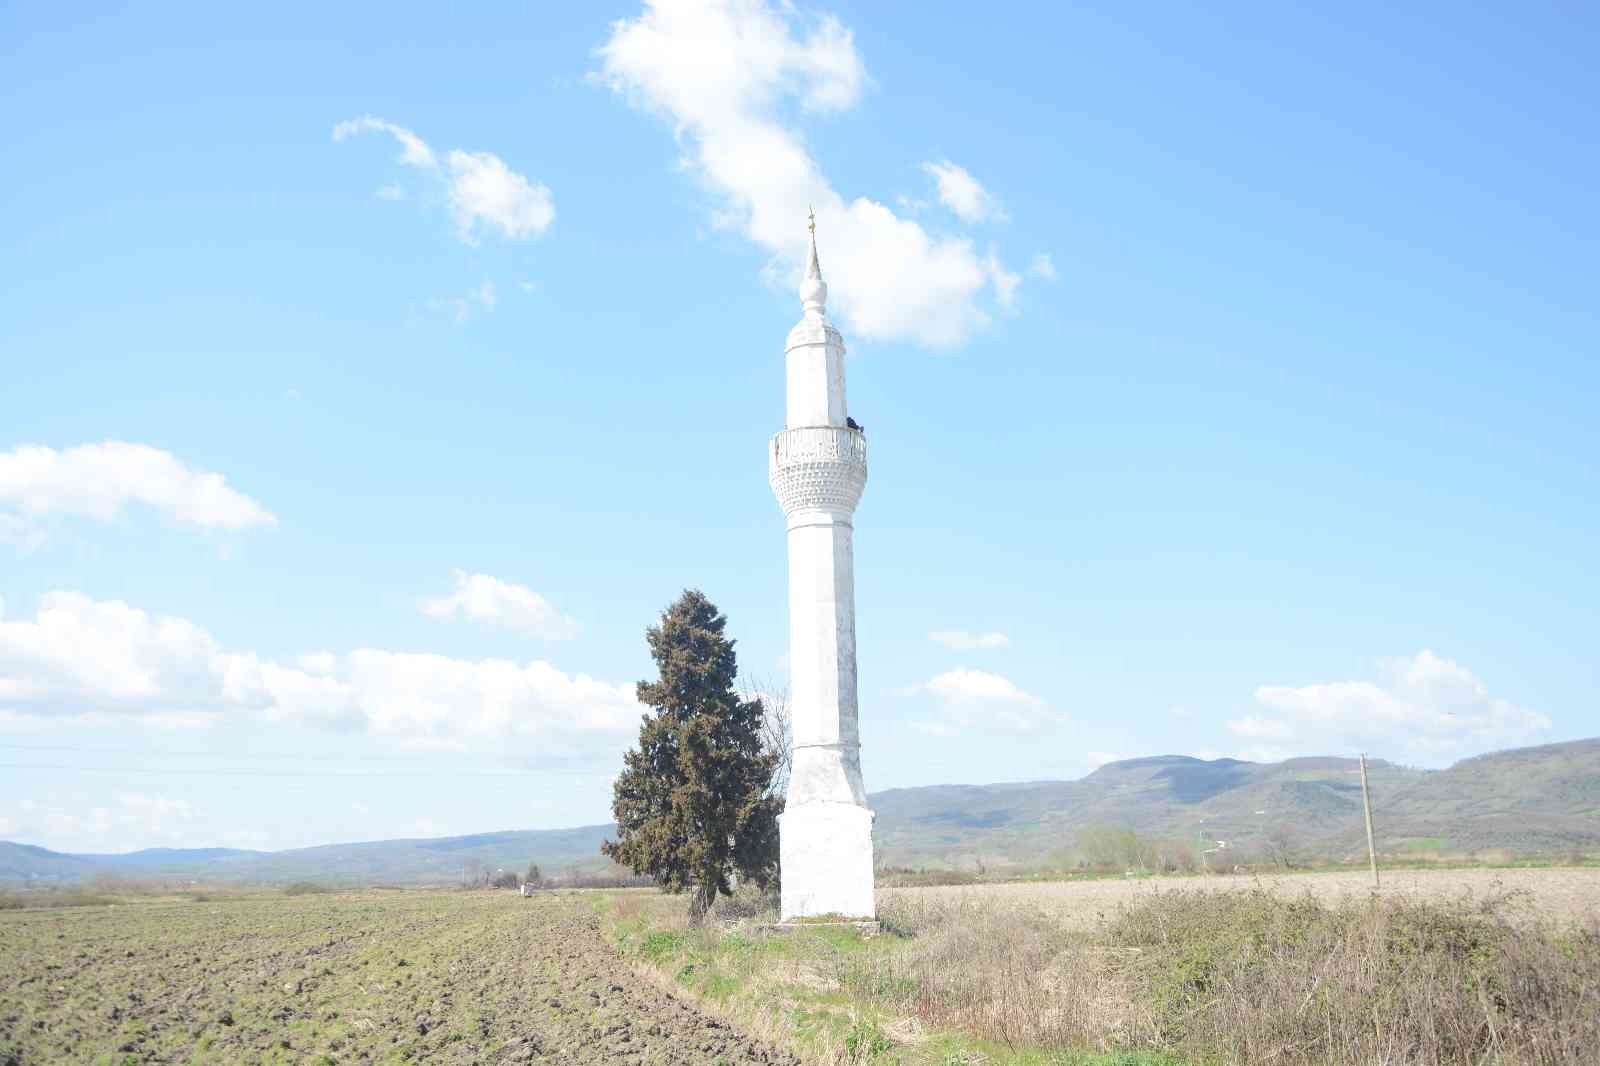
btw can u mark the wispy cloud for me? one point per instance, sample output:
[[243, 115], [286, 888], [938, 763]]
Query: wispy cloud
[[962, 193], [969, 698], [151, 820], [1422, 705], [483, 299], [961, 640], [484, 598], [482, 189], [732, 76]]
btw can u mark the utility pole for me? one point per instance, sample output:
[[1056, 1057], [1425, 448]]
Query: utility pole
[[1366, 806]]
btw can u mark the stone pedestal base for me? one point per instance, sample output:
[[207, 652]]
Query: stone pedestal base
[[826, 855]]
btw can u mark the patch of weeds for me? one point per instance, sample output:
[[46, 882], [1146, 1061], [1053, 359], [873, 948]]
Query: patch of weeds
[[719, 986], [963, 1057], [844, 939], [660, 945], [866, 1041], [878, 983]]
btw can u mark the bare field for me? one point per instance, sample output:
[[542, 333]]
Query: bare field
[[357, 977], [1564, 895]]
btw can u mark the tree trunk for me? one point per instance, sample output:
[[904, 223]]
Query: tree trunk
[[700, 901]]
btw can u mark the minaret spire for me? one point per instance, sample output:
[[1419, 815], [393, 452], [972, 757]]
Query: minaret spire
[[813, 290]]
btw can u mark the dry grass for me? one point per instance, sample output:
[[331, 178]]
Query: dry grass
[[1560, 894], [1254, 976]]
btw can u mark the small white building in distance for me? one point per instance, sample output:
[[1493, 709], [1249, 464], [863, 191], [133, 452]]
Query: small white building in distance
[[818, 467]]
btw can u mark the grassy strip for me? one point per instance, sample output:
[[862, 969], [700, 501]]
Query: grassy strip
[[827, 993], [1246, 977]]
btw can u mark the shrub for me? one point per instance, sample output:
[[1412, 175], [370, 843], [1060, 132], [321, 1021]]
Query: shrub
[[1251, 978], [748, 902]]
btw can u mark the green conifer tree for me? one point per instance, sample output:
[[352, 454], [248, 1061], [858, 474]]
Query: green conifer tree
[[691, 804]]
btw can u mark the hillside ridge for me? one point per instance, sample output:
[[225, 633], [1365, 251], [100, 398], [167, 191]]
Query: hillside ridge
[[1537, 799]]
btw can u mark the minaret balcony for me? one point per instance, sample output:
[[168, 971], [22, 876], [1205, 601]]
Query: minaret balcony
[[818, 468]]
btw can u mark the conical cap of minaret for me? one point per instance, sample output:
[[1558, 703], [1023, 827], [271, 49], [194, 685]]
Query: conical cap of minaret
[[813, 290]]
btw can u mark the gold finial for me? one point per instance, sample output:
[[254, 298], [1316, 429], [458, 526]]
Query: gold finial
[[812, 226]]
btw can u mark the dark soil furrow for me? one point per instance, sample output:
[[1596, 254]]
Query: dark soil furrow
[[450, 977]]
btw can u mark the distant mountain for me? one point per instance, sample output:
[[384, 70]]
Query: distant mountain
[[1203, 801], [427, 861], [162, 857], [24, 862], [1544, 799]]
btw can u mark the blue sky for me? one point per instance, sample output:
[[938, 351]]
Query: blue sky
[[373, 376]]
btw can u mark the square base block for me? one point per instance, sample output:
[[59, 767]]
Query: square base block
[[826, 854]]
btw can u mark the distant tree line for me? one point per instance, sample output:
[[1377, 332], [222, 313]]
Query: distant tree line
[[1119, 846], [475, 873]]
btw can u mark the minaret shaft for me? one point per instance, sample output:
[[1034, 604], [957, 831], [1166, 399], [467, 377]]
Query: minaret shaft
[[818, 468], [815, 379]]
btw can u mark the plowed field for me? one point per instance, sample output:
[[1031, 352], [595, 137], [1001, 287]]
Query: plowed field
[[436, 977]]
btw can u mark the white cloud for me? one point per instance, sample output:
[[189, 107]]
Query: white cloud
[[484, 189], [1043, 266], [93, 661], [1098, 759], [79, 656], [1254, 727], [21, 534], [134, 820], [1005, 282], [729, 75], [962, 193], [99, 480], [936, 729], [977, 697], [481, 188], [961, 640], [488, 599], [1180, 712], [459, 309], [978, 686], [1423, 706]]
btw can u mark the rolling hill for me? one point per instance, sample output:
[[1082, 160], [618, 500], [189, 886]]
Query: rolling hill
[[1544, 799]]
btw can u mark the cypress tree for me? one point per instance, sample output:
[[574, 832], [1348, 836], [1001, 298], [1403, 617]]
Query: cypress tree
[[691, 803]]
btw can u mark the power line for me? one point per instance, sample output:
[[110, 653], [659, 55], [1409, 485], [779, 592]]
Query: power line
[[255, 772], [299, 756]]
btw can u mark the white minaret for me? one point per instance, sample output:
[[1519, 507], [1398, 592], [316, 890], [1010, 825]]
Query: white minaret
[[818, 467]]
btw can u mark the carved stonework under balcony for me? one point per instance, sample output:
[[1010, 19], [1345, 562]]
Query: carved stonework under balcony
[[818, 468]]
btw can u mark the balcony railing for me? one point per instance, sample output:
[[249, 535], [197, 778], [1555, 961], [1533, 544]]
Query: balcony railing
[[818, 468]]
